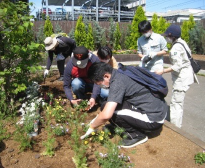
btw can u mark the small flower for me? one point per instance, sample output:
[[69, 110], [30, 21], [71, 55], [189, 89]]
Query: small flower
[[85, 142], [102, 133], [82, 124], [100, 138], [93, 133]]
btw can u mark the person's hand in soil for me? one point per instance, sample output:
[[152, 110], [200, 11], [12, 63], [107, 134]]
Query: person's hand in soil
[[91, 102]]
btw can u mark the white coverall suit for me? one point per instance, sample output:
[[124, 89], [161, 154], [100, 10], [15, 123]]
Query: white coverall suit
[[182, 77]]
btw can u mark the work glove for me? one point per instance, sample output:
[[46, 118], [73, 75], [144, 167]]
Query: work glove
[[89, 131], [152, 54], [45, 73], [146, 59]]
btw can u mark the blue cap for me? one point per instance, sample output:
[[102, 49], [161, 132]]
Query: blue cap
[[173, 30]]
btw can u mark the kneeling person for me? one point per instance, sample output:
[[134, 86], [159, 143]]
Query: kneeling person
[[130, 105]]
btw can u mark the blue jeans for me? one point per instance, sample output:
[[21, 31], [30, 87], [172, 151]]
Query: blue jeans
[[80, 87], [104, 93]]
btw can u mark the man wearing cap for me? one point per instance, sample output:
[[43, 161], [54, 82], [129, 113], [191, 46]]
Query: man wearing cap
[[181, 70], [62, 47], [151, 47], [75, 76]]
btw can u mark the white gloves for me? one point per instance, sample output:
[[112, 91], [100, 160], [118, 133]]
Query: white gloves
[[45, 73], [89, 131], [152, 54]]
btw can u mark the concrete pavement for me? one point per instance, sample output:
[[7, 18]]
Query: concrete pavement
[[194, 106]]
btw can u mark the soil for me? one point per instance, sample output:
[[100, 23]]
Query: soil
[[164, 149]]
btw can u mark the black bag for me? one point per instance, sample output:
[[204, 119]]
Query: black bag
[[195, 65]]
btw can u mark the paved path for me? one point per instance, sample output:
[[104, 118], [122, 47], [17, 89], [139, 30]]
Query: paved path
[[194, 106]]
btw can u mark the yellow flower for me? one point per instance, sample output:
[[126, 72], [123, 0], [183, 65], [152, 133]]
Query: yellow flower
[[102, 133], [100, 138], [85, 142], [93, 133]]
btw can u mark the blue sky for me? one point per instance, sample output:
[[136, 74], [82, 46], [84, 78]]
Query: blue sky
[[151, 5]]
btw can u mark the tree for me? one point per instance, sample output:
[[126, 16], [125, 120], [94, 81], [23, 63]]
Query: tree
[[162, 25], [139, 16], [154, 23], [128, 37], [98, 35], [48, 27], [19, 54], [80, 34], [191, 22], [117, 36], [185, 31], [111, 31], [89, 38], [197, 39]]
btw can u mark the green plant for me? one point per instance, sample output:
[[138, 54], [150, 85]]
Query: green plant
[[89, 38], [98, 34], [185, 31], [134, 35], [19, 53], [82, 106], [111, 31], [117, 36], [3, 130], [48, 27], [23, 138], [197, 39], [200, 158], [50, 142], [75, 119], [113, 158], [154, 23], [59, 130], [80, 34]]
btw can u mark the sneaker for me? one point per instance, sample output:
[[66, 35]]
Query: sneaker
[[60, 79], [129, 143]]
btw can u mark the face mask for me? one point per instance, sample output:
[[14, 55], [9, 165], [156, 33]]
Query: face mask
[[82, 66], [104, 86], [148, 34], [105, 61], [169, 40]]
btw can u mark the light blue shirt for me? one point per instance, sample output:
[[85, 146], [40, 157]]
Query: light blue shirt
[[154, 43]]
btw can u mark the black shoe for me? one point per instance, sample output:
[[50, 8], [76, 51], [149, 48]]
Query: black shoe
[[110, 128], [60, 79], [131, 142]]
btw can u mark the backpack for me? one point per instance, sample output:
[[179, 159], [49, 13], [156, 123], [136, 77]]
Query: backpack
[[155, 83]]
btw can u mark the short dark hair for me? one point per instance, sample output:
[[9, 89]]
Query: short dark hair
[[144, 26], [104, 52], [97, 71]]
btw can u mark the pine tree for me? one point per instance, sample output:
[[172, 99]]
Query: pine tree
[[117, 36], [80, 34], [71, 34], [89, 39], [48, 27], [162, 25], [154, 23], [111, 32], [128, 37], [139, 16], [98, 35], [185, 31], [197, 39], [191, 23]]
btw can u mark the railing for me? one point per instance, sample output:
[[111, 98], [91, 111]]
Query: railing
[[102, 14]]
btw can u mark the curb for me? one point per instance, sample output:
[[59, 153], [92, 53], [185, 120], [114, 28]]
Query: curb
[[185, 134]]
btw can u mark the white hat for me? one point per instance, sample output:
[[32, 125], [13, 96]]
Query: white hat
[[50, 43]]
